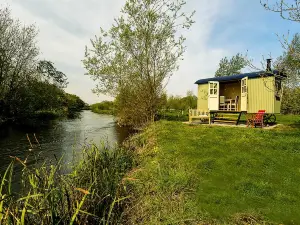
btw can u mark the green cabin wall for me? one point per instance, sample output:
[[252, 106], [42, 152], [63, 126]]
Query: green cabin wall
[[277, 106], [261, 95], [202, 103]]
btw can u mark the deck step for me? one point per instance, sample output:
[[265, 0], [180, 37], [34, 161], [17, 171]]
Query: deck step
[[220, 117], [228, 114], [225, 121]]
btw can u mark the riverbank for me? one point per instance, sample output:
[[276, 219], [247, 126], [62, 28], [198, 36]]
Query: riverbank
[[92, 193], [170, 173], [216, 175], [65, 177]]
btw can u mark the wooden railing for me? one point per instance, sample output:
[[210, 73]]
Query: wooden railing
[[197, 114]]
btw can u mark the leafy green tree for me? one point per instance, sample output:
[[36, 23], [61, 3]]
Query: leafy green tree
[[50, 74], [73, 103], [182, 103], [134, 59], [289, 62], [28, 86], [291, 101], [18, 55], [231, 66]]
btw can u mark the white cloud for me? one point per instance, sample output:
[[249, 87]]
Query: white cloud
[[200, 61], [66, 26]]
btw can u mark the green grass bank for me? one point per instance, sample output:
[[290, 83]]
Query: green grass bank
[[217, 175]]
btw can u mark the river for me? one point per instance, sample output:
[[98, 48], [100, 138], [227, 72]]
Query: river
[[58, 138]]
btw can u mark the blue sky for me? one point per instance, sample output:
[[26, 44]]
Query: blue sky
[[222, 28], [247, 25]]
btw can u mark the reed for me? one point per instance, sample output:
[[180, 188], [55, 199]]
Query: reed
[[92, 193]]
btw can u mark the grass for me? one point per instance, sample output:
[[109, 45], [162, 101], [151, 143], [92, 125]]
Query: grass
[[175, 115], [92, 193], [217, 175]]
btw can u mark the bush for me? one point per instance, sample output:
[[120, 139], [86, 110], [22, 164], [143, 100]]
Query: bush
[[176, 115], [105, 107]]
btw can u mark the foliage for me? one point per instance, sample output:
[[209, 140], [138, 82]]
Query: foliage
[[216, 175], [73, 104], [134, 59], [105, 107], [289, 62], [51, 74], [18, 55], [231, 66], [288, 9], [29, 86], [173, 115], [291, 101], [182, 103], [93, 193]]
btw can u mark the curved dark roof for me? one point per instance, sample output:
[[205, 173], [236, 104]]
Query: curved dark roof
[[240, 76]]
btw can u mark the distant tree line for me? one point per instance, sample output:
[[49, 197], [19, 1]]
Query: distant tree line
[[29, 87], [171, 107], [181, 103], [105, 107]]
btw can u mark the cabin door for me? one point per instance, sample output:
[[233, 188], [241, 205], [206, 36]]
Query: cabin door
[[244, 94], [213, 95]]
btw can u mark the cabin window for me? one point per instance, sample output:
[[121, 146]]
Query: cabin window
[[278, 87], [244, 86], [213, 88]]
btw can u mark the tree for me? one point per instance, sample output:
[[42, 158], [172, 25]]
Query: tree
[[50, 74], [289, 62], [134, 59], [288, 9], [18, 56], [231, 66]]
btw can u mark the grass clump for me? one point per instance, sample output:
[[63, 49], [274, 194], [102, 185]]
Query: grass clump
[[92, 193], [217, 175]]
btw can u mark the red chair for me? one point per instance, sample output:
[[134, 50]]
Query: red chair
[[257, 119]]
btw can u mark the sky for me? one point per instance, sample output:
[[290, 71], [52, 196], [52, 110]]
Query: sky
[[222, 28]]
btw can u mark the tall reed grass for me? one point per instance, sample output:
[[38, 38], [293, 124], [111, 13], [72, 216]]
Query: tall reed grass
[[92, 193]]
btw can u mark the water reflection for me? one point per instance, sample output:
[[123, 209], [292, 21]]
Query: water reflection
[[60, 138]]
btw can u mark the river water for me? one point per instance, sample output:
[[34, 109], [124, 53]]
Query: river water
[[57, 139]]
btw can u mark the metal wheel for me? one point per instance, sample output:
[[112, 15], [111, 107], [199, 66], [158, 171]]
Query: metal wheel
[[269, 119], [266, 119], [272, 119]]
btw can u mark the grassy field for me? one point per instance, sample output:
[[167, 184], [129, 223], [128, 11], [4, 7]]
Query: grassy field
[[217, 175]]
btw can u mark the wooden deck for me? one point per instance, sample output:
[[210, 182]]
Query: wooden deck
[[198, 114], [222, 116]]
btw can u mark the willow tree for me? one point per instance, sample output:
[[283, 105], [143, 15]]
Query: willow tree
[[135, 58]]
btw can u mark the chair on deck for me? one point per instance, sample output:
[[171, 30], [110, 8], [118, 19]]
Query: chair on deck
[[223, 105], [235, 103], [257, 119]]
